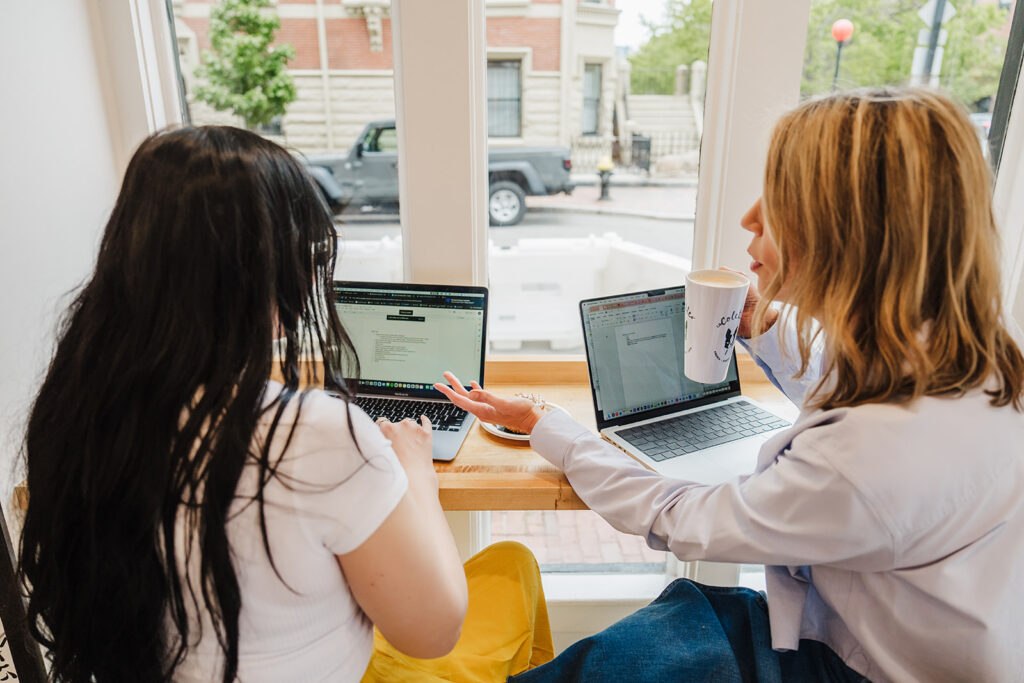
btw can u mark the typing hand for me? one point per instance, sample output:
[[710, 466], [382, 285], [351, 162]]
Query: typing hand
[[412, 444], [519, 414]]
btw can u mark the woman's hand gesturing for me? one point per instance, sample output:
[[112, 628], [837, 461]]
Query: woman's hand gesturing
[[519, 414]]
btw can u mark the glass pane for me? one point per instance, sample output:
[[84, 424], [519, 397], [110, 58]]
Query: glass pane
[[584, 119], [503, 98], [577, 110], [318, 100], [955, 45], [591, 98]]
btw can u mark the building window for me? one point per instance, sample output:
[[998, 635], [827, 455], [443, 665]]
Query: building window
[[504, 99], [591, 98]]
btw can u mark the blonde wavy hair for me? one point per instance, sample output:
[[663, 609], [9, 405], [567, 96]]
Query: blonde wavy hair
[[880, 204]]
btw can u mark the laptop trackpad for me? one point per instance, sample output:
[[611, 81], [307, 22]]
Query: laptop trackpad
[[718, 464]]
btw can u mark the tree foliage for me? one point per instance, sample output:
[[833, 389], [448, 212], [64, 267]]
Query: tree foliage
[[975, 51], [244, 73], [881, 51], [683, 38]]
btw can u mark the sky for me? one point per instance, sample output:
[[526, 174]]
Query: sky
[[629, 30]]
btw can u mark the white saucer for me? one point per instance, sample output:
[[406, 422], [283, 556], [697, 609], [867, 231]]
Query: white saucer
[[499, 431]]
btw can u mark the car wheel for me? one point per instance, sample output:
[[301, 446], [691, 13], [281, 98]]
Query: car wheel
[[507, 204]]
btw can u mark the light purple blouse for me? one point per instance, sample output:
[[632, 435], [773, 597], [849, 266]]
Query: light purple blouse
[[892, 533]]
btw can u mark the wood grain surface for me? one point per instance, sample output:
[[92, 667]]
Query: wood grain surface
[[492, 473]]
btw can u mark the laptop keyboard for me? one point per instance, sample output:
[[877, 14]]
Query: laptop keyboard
[[443, 416], [695, 431]]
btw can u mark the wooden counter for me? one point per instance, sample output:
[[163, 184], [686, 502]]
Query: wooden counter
[[491, 473]]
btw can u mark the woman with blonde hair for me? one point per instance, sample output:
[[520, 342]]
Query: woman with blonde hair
[[889, 516]]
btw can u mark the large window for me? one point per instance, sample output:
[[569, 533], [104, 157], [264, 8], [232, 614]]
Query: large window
[[504, 98]]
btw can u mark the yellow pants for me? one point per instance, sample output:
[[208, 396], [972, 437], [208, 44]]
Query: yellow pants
[[506, 630]]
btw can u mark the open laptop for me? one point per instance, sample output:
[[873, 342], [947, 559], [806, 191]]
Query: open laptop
[[406, 335], [644, 404]]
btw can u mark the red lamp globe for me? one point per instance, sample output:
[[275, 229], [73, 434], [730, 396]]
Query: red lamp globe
[[842, 30]]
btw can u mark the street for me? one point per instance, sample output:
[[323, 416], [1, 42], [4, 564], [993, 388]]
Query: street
[[671, 236]]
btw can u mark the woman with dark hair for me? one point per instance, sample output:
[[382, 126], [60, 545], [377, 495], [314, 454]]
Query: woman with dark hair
[[192, 520]]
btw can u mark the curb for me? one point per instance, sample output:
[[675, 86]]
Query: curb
[[609, 211], [589, 180]]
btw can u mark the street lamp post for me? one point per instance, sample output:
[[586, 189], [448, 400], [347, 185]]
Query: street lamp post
[[841, 31]]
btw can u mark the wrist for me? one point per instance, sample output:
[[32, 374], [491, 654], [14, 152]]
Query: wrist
[[536, 412], [770, 317]]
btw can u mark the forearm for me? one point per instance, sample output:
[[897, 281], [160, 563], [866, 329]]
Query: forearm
[[423, 493], [799, 510], [624, 492]]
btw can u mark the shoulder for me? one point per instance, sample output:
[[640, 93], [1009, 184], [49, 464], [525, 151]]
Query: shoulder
[[919, 460], [316, 429], [940, 425], [336, 473]]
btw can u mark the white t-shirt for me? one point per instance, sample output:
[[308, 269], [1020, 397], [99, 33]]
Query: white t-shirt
[[327, 500]]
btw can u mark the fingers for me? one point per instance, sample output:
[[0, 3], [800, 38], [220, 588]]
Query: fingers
[[464, 400], [387, 425], [483, 396], [730, 270], [387, 428], [461, 401], [447, 391], [456, 384]]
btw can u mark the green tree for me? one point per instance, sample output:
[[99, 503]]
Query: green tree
[[683, 38], [881, 51], [974, 52], [244, 73]]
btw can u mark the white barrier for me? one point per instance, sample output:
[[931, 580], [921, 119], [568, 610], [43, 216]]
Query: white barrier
[[536, 285], [369, 260]]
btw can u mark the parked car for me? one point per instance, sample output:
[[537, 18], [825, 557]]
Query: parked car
[[367, 175]]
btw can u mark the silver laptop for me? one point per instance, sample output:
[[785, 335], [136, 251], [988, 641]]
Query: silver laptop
[[406, 335], [707, 433]]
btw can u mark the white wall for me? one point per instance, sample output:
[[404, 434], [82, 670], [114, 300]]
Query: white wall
[[58, 181]]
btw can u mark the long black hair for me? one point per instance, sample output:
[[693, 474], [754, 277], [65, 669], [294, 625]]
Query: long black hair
[[218, 243]]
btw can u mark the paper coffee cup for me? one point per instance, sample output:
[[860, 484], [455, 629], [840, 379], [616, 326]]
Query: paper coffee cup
[[714, 303]]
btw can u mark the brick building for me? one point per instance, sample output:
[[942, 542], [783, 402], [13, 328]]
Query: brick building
[[552, 72]]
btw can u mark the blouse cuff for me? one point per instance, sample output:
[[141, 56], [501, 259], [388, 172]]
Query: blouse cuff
[[554, 434]]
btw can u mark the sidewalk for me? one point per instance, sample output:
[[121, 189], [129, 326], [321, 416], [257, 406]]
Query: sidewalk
[[626, 177], [572, 537], [667, 199]]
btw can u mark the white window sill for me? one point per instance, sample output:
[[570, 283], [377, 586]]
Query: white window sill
[[603, 588]]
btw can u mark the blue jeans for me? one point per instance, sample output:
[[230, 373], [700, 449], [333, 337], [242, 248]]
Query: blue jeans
[[693, 633]]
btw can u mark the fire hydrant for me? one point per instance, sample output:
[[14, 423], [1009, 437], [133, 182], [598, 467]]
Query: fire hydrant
[[604, 172]]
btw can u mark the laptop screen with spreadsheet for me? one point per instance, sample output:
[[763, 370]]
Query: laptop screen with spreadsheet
[[634, 345]]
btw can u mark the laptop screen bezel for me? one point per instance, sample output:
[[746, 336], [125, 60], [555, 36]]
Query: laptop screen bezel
[[417, 287], [602, 423]]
